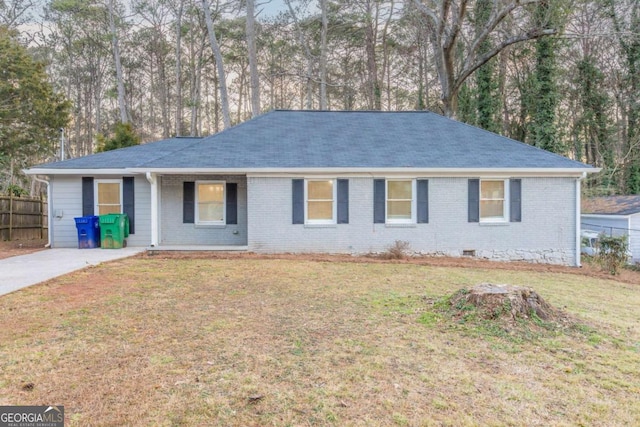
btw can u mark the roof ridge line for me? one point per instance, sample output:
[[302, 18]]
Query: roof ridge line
[[197, 140]]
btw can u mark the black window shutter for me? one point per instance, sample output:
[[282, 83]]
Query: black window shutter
[[128, 201], [297, 201], [515, 195], [379, 201], [343, 201], [87, 196], [188, 202], [423, 201], [474, 200], [232, 203]]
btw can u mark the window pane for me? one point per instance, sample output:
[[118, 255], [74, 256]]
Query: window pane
[[320, 190], [108, 193], [210, 193], [491, 209], [492, 190], [399, 210], [210, 211], [103, 210], [320, 210], [399, 190]]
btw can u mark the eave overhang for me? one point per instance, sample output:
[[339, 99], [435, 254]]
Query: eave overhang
[[342, 171]]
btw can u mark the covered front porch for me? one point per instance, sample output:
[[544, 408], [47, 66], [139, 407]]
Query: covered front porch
[[198, 212]]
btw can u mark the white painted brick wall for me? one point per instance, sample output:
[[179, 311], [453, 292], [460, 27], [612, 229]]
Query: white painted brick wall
[[174, 232], [546, 233]]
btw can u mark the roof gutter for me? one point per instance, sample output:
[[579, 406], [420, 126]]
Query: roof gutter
[[462, 172], [153, 181], [579, 219]]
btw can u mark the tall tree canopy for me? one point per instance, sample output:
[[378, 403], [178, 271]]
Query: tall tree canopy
[[31, 112], [558, 74]]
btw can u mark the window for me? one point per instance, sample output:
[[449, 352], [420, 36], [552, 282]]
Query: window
[[320, 202], [492, 201], [210, 206], [400, 201], [109, 196]]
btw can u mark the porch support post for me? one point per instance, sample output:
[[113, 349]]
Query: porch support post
[[153, 180]]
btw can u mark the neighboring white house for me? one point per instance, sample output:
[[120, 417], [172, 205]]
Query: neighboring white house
[[614, 216], [328, 181]]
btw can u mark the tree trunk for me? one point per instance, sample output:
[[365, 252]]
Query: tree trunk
[[116, 55], [308, 56], [253, 59], [323, 55], [372, 63], [179, 107], [224, 100]]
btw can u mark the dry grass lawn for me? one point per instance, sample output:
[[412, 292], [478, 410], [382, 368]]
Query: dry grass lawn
[[257, 342]]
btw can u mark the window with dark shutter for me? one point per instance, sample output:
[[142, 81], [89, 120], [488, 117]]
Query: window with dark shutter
[[379, 201], [232, 203], [128, 201], [87, 196], [343, 201], [474, 200], [515, 202], [297, 201], [423, 201], [188, 202]]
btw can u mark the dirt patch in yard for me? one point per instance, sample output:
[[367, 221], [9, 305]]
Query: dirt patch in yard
[[20, 247], [588, 268]]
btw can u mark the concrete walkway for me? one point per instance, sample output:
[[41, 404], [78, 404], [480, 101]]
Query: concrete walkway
[[25, 270]]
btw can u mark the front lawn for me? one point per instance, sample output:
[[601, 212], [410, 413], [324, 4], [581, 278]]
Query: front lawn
[[256, 342]]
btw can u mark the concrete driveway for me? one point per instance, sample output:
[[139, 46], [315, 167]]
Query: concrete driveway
[[25, 270]]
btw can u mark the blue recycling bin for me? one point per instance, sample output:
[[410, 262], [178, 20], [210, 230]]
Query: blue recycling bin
[[88, 232]]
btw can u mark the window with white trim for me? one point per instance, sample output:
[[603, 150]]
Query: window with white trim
[[320, 201], [401, 207], [493, 197], [108, 196], [210, 206]]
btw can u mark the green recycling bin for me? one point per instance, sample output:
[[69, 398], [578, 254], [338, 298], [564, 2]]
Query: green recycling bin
[[114, 228]]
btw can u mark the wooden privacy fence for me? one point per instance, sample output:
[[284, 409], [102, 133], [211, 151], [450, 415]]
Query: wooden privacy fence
[[23, 218]]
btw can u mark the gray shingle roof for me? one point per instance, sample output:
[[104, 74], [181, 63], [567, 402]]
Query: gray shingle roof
[[611, 205], [333, 139]]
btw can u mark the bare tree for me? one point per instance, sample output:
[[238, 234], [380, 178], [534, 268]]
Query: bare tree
[[307, 54], [222, 83], [323, 55], [124, 118], [179, 105], [447, 20], [253, 60], [15, 12]]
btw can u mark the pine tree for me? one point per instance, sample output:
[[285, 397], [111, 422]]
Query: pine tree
[[31, 112]]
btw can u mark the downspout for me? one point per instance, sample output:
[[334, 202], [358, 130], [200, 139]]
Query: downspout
[[579, 219], [49, 203], [153, 180]]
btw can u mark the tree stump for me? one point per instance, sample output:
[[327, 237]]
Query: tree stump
[[505, 301]]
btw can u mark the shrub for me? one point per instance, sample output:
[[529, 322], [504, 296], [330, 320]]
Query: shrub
[[399, 250], [17, 191], [612, 253]]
